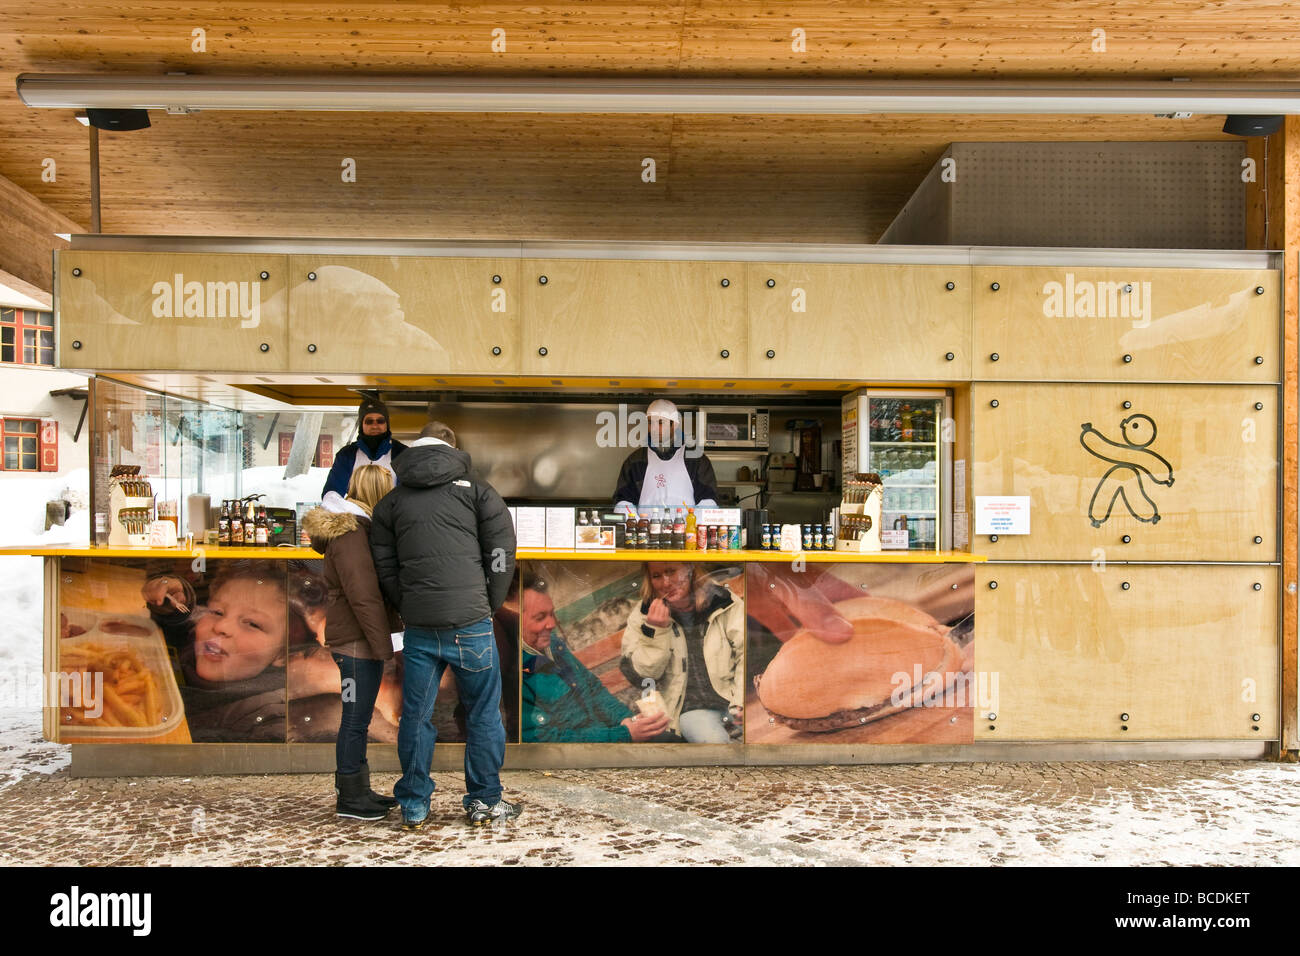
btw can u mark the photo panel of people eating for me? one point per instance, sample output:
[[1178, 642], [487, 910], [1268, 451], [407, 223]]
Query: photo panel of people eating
[[631, 652]]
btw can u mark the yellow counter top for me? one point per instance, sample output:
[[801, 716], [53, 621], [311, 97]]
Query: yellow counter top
[[273, 554], [214, 551], [823, 557]]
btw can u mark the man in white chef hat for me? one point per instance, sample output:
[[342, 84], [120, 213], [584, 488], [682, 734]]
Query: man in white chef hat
[[661, 475]]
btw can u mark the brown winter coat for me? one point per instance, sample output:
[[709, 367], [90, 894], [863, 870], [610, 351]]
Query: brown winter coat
[[358, 622]]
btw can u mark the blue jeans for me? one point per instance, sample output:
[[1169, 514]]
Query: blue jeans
[[471, 653], [358, 706]]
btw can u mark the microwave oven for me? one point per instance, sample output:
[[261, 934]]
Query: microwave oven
[[723, 427]]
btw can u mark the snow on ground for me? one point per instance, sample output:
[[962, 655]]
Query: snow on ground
[[22, 509]]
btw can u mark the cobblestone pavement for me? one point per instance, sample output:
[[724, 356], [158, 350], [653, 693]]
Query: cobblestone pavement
[[1077, 813]]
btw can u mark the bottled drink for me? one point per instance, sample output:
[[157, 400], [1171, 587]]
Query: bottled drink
[[629, 530], [237, 524], [643, 531], [223, 523], [905, 423], [261, 529], [690, 529], [713, 537], [679, 531], [733, 538]]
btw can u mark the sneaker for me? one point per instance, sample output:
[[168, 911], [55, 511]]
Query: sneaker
[[479, 813], [413, 823]]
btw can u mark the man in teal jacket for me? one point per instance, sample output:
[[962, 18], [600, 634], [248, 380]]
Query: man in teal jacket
[[564, 702]]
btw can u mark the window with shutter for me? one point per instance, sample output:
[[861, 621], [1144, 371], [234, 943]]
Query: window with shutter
[[21, 444]]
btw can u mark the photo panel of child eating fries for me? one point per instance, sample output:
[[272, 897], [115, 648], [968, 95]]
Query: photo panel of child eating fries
[[155, 651], [631, 652]]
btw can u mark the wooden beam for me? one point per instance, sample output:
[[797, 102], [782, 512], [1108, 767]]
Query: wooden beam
[[28, 240], [1273, 222], [1288, 198]]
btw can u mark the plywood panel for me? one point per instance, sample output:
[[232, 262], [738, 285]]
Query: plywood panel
[[1187, 652], [596, 317], [1057, 323], [896, 323], [1219, 450], [172, 311], [403, 314]]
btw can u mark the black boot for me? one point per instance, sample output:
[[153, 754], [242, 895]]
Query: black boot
[[354, 800], [379, 798]]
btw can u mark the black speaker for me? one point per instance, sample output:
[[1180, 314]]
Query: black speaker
[[1252, 125], [118, 120]]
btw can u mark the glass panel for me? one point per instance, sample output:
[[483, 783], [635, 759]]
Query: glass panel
[[8, 315], [46, 340], [890, 659], [27, 426], [29, 337], [186, 448], [29, 461]]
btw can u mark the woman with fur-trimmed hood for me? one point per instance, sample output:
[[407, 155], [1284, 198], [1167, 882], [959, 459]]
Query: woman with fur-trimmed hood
[[359, 626]]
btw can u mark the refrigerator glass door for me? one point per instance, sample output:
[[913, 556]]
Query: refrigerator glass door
[[903, 438]]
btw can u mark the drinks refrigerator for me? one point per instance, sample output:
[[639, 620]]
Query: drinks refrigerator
[[899, 435]]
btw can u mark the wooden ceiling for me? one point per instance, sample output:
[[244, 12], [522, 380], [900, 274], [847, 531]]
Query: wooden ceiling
[[740, 178]]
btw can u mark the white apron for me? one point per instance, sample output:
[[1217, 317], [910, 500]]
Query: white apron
[[667, 483], [384, 461]]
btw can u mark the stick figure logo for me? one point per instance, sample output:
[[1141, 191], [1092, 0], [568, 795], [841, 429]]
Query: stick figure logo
[[1131, 462]]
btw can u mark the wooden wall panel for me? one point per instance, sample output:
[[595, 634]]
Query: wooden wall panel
[[123, 309], [403, 315], [883, 322], [1061, 323], [1188, 652], [28, 240], [1220, 451], [624, 317]]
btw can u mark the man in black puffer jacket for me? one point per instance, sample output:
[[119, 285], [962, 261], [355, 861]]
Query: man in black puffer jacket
[[444, 550]]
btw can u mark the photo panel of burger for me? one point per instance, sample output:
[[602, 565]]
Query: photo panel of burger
[[154, 651], [631, 652], [861, 653]]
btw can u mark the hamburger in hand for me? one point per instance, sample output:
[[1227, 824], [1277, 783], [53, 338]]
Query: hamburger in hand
[[817, 686]]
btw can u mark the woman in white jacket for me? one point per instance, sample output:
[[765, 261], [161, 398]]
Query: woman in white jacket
[[687, 635]]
